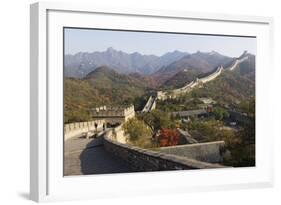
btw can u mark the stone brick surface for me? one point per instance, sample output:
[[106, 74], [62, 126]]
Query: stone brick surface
[[146, 160]]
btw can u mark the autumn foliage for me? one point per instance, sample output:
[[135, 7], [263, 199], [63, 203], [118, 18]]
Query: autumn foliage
[[168, 137]]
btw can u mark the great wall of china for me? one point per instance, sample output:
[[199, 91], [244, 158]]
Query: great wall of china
[[113, 115], [163, 95], [140, 159], [121, 156], [169, 158], [150, 104], [236, 62]]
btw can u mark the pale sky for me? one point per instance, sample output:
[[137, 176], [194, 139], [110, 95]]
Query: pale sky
[[90, 40]]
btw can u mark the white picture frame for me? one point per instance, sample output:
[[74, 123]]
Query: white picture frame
[[46, 179]]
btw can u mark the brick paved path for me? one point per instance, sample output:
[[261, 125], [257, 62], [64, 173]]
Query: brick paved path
[[88, 156]]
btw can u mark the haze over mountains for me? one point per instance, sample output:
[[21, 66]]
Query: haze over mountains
[[82, 63]]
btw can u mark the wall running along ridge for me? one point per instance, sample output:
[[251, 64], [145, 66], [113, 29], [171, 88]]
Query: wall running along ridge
[[187, 88], [162, 95]]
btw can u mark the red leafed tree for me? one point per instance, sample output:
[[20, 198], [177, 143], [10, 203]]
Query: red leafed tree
[[168, 137]]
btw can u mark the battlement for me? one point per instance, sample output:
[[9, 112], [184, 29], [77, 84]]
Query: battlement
[[77, 129], [119, 111], [113, 114]]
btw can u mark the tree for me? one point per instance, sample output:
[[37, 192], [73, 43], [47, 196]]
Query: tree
[[136, 129], [248, 106], [242, 150], [168, 137], [220, 113], [157, 120]]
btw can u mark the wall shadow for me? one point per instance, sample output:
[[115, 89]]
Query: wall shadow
[[95, 159]]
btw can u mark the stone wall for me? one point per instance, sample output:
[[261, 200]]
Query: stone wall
[[236, 62], [187, 88], [119, 135], [79, 128], [234, 65], [212, 76], [150, 104], [162, 95], [107, 111], [129, 112], [206, 152], [113, 115], [148, 160]]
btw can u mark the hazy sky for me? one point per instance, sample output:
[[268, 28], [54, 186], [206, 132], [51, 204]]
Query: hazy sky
[[90, 40]]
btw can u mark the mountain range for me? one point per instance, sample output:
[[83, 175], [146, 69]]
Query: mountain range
[[82, 63], [196, 63], [156, 68]]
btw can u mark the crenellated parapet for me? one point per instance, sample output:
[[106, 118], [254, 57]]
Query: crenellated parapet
[[77, 129], [113, 114], [129, 112]]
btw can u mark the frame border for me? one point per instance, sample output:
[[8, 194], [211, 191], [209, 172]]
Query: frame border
[[39, 187]]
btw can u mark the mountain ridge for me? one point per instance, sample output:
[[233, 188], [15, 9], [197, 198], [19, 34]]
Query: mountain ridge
[[80, 64], [201, 62]]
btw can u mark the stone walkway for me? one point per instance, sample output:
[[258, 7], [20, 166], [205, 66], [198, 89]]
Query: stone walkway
[[88, 156]]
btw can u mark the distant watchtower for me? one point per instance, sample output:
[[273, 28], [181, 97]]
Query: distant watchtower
[[113, 115]]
